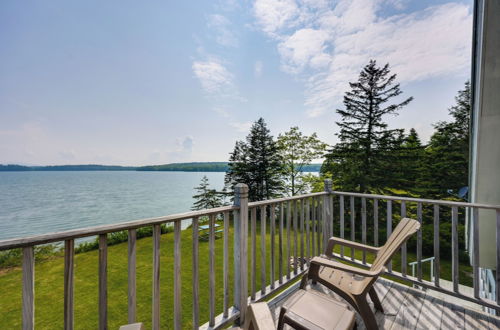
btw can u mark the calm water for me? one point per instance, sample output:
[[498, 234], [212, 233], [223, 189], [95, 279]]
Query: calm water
[[42, 202]]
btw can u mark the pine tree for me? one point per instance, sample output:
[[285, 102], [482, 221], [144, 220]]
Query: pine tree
[[364, 136], [257, 163], [447, 155], [206, 198]]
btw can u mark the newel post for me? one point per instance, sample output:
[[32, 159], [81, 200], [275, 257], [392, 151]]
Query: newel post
[[327, 213], [240, 249]]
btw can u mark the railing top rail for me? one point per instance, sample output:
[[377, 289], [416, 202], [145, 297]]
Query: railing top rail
[[419, 200], [284, 199], [104, 229]]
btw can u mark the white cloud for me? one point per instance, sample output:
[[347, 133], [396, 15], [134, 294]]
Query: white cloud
[[327, 45], [213, 76], [224, 33], [257, 68], [241, 126]]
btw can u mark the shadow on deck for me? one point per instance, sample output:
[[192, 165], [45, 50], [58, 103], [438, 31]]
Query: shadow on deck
[[410, 308]]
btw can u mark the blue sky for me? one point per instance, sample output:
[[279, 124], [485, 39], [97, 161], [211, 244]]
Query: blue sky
[[153, 82]]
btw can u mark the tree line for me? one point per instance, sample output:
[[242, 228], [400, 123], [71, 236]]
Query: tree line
[[369, 157]]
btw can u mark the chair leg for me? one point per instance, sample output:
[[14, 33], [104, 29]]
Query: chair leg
[[375, 299], [366, 313]]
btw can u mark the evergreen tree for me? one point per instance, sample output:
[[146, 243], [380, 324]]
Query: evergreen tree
[[364, 136], [205, 197], [446, 160], [257, 163], [298, 150]]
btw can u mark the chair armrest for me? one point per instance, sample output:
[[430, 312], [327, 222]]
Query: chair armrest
[[340, 266], [340, 241], [259, 317]]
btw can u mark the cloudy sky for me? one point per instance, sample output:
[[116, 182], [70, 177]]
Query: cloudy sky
[[153, 82]]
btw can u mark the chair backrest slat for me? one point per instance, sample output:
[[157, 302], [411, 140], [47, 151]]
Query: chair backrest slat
[[403, 231]]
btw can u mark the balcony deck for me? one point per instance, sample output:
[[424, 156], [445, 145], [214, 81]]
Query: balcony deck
[[410, 308]]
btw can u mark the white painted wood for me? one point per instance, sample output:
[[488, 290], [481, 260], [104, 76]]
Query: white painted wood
[[353, 228], [419, 242], [195, 279], [226, 265], [403, 246], [342, 224], [211, 266], [253, 275], [389, 228], [273, 234], [288, 238], [263, 249], [437, 257], [363, 225], [240, 250], [375, 222], [69, 284], [131, 269], [156, 277], [28, 288], [454, 247], [103, 282], [280, 243], [177, 276], [475, 250]]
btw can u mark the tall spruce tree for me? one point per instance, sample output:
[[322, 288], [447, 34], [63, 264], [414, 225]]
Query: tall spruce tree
[[256, 163], [205, 197], [446, 159], [364, 136]]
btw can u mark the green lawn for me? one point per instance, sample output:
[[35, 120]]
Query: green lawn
[[49, 284]]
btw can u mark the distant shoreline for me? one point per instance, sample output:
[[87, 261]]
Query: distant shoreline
[[174, 167]]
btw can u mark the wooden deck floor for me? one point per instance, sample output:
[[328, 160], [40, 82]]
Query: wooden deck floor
[[410, 308]]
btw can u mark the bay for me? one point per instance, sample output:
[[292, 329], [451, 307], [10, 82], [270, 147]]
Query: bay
[[43, 202]]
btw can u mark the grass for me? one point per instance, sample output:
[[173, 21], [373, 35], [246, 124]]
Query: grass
[[49, 283]]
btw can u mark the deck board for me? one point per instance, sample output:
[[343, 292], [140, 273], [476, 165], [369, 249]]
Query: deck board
[[410, 308]]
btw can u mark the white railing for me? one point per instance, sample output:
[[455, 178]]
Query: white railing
[[298, 228]]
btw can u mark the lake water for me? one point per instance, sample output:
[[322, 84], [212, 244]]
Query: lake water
[[42, 202]]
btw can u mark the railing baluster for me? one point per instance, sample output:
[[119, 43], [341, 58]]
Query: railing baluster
[[419, 242], [132, 297], [313, 226], [156, 276], [437, 264], [498, 257], [69, 254], [28, 288], [177, 276], [195, 279], [389, 228], [403, 246], [454, 244], [375, 222], [342, 225], [273, 230], [363, 226], [263, 249], [353, 230], [103, 282], [211, 266], [295, 245], [308, 226], [226, 264], [475, 250], [280, 245], [253, 276], [318, 227], [302, 234], [288, 219], [332, 227]]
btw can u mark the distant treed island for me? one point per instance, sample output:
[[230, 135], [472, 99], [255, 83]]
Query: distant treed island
[[180, 167]]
